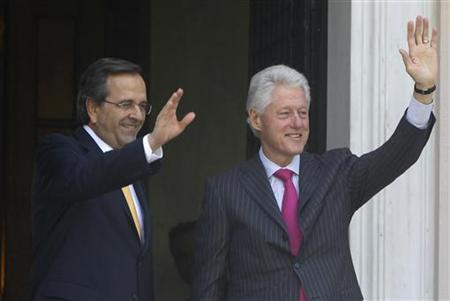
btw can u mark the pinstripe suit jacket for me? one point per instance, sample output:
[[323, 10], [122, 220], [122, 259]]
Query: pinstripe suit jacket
[[242, 249]]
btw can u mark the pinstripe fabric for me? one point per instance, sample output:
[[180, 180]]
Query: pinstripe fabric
[[242, 248]]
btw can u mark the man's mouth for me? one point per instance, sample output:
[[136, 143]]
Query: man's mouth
[[131, 126], [294, 135]]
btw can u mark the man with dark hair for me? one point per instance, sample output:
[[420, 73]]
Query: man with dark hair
[[91, 222], [275, 227]]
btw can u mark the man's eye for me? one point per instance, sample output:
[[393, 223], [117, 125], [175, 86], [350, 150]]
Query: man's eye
[[283, 114], [125, 105], [143, 106]]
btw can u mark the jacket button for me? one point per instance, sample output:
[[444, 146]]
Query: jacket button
[[297, 266], [134, 297]]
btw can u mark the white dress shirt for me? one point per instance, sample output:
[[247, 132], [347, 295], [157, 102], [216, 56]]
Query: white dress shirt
[[418, 114], [150, 157], [276, 184]]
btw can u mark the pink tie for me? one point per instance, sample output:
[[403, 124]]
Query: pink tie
[[289, 211]]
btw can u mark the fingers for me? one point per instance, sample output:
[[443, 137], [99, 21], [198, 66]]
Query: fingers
[[167, 126], [419, 30], [418, 33], [406, 59], [434, 38], [170, 109], [426, 24], [173, 101], [187, 119], [178, 94], [176, 97], [410, 35]]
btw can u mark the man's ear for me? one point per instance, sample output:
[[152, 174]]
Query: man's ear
[[91, 108], [254, 119]]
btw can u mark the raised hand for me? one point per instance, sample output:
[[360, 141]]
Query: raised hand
[[167, 125], [421, 62]]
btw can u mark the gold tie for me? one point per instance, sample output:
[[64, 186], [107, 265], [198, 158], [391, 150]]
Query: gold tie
[[127, 192]]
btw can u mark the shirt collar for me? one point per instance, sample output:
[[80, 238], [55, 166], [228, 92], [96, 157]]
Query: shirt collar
[[271, 167], [102, 144]]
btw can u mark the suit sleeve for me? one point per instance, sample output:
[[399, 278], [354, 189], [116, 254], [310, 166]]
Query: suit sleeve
[[375, 170], [211, 247], [64, 171]]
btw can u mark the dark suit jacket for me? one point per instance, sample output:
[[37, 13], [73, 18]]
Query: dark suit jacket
[[85, 244], [242, 248]]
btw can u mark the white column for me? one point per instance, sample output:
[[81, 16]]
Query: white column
[[444, 155], [393, 237]]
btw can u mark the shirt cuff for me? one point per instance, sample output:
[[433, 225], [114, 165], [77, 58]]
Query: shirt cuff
[[418, 114], [151, 156]]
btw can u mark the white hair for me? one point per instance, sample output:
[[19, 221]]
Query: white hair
[[263, 83]]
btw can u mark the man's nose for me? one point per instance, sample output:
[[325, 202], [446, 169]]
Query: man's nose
[[136, 112], [296, 120]]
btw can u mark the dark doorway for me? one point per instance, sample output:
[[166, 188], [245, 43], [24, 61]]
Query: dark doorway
[[293, 33]]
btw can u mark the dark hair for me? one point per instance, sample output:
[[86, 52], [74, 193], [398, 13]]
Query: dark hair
[[93, 82]]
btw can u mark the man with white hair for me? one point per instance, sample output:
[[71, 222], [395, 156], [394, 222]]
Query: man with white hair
[[276, 226]]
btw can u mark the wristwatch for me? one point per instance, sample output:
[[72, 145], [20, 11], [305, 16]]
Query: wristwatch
[[424, 92]]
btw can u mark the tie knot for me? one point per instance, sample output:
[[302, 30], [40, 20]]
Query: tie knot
[[283, 174]]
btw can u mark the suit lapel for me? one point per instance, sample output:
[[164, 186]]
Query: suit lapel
[[258, 187], [86, 140], [309, 175], [89, 144]]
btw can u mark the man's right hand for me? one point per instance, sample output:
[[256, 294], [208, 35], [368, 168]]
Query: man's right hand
[[421, 62], [167, 125]]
